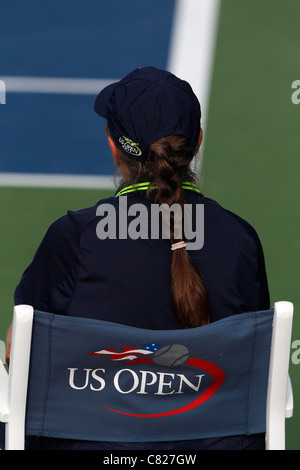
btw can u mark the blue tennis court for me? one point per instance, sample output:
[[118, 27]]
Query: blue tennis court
[[57, 132]]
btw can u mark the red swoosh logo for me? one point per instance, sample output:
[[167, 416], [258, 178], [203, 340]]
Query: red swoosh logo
[[218, 378]]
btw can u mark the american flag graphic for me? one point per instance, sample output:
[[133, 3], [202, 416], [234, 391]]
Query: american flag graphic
[[131, 354]]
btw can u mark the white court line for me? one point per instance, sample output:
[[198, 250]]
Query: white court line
[[192, 46], [77, 86], [191, 58], [46, 85], [43, 180], [192, 50]]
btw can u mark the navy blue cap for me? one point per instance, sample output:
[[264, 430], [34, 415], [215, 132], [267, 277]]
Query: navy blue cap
[[148, 104]]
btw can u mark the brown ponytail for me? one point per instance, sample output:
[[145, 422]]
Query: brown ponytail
[[167, 166], [172, 156]]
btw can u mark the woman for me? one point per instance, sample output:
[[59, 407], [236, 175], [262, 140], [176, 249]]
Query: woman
[[153, 121]]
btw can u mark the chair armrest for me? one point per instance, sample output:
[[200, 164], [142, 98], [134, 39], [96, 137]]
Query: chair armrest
[[4, 409], [289, 408]]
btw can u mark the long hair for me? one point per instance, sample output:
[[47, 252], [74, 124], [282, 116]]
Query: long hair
[[167, 166]]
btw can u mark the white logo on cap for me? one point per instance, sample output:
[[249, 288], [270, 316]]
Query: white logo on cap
[[129, 146]]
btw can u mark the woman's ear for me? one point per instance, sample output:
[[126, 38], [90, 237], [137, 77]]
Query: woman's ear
[[199, 140], [114, 150]]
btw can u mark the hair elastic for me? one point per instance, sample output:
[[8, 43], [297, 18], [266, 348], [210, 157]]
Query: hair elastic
[[178, 245]]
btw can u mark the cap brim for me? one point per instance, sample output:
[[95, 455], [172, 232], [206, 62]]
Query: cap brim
[[100, 104]]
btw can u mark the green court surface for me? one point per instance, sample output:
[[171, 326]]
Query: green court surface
[[27, 214], [251, 162], [251, 159]]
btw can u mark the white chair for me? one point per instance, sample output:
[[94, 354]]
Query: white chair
[[13, 386], [280, 403]]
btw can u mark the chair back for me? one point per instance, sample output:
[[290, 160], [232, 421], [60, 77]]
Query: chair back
[[103, 381]]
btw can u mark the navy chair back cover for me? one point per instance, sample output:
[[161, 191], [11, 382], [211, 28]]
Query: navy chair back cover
[[102, 381]]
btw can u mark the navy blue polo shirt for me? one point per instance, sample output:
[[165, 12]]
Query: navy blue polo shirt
[[128, 280]]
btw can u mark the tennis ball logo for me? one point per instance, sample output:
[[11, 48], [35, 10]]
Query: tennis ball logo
[[172, 355]]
